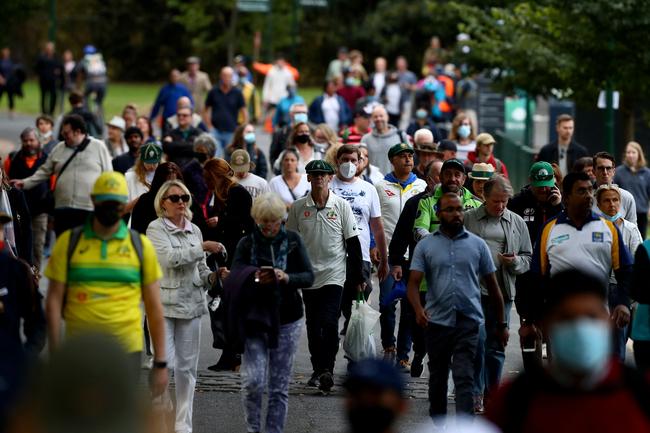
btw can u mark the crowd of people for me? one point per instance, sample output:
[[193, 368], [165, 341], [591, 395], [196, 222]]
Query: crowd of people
[[181, 213]]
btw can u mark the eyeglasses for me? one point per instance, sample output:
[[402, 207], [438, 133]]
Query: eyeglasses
[[603, 168], [175, 198], [183, 115]]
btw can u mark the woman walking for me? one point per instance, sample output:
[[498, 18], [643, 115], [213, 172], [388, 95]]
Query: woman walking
[[290, 185], [283, 268], [634, 176], [186, 277]]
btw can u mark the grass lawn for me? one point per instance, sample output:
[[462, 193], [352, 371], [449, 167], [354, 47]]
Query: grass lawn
[[118, 95]]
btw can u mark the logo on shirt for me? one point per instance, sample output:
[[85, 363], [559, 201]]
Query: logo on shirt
[[558, 240], [331, 215], [307, 214], [123, 251], [598, 237], [389, 193], [529, 214]]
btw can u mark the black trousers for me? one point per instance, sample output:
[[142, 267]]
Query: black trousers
[[68, 218], [322, 311], [10, 96], [642, 223], [642, 355], [48, 97]]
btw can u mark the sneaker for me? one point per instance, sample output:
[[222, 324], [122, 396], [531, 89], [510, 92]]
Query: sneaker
[[390, 353], [326, 382], [404, 366], [478, 405], [417, 367], [313, 380]]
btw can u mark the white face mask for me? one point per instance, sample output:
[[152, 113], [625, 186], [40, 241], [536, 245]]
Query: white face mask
[[347, 170]]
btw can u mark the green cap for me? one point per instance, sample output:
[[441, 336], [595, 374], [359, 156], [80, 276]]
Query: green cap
[[150, 153], [541, 174], [319, 166], [400, 148]]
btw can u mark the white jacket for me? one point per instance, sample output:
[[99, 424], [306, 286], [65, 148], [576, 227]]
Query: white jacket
[[74, 187], [392, 198]]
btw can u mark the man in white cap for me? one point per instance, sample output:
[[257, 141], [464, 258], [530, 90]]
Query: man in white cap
[[241, 164], [115, 137]]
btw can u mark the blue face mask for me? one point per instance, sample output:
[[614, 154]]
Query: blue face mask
[[614, 218], [581, 346], [351, 81], [300, 118], [464, 131], [249, 137]]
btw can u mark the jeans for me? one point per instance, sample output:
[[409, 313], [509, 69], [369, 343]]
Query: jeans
[[99, 90], [223, 138], [490, 356], [642, 355], [455, 347], [183, 342], [350, 292], [39, 230], [261, 366], [322, 311], [68, 218], [620, 334], [387, 320]]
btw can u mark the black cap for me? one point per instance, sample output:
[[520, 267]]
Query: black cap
[[454, 163], [133, 130], [376, 374], [447, 145]]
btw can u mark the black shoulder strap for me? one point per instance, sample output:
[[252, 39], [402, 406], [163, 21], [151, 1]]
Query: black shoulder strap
[[75, 235], [77, 150]]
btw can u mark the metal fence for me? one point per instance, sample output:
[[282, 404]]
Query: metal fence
[[516, 156]]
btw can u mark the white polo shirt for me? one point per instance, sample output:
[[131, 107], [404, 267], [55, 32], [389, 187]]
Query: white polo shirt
[[393, 197], [597, 246], [324, 232]]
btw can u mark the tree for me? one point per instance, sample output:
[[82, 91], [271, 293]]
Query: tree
[[571, 48]]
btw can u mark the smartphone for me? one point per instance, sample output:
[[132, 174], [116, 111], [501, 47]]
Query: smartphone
[[529, 346], [508, 254]]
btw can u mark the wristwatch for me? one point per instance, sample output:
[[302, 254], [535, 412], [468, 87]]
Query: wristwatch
[[160, 364]]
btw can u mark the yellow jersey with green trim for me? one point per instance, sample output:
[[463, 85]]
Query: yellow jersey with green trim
[[104, 283]]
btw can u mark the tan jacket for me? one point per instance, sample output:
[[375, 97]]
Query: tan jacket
[[73, 188], [199, 88]]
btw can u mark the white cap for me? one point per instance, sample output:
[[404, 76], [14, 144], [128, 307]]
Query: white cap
[[117, 122]]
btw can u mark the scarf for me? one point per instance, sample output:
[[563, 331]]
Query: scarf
[[278, 246], [390, 177]]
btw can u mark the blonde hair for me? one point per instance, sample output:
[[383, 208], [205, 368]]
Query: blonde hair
[[330, 154], [162, 192], [460, 117], [607, 187], [268, 207], [329, 134], [641, 161]]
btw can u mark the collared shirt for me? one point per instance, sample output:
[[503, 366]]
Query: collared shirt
[[331, 108], [324, 232], [104, 283], [187, 225], [427, 220], [453, 267], [596, 246]]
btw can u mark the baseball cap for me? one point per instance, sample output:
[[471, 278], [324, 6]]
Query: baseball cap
[[150, 153], [541, 174], [240, 161], [484, 138], [427, 148], [117, 122], [374, 373], [447, 145], [453, 163], [400, 148], [110, 186], [319, 166], [192, 59], [5, 218], [481, 171]]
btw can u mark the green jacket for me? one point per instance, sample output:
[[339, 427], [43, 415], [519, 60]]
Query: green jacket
[[427, 221]]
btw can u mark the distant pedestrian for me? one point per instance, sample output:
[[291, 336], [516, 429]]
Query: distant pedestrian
[[463, 133], [242, 166], [92, 69], [168, 96], [290, 184], [50, 75], [125, 161], [45, 133], [330, 108], [382, 137], [115, 137], [245, 138], [6, 75], [634, 176], [197, 81], [564, 151]]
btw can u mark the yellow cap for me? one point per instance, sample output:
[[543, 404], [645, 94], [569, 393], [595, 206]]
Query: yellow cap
[[110, 186]]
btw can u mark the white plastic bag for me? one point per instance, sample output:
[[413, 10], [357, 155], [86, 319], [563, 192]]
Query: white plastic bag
[[359, 341]]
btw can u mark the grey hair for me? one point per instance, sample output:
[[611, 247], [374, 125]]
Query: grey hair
[[207, 141], [499, 183], [27, 131], [268, 206]]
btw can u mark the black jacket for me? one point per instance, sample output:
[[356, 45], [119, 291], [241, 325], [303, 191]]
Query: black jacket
[[124, 162], [403, 235], [235, 219], [39, 199], [549, 153], [22, 224], [181, 149], [49, 70]]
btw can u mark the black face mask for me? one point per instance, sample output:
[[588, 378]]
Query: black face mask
[[302, 138], [370, 419], [201, 157], [107, 214]]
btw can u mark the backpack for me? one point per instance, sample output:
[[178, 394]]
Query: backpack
[[95, 66], [75, 236]]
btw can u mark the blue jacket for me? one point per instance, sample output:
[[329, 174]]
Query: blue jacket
[[167, 98], [316, 111]]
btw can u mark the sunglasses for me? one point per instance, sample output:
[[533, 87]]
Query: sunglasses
[[175, 198]]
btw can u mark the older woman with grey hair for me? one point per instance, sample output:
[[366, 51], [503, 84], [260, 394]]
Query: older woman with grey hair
[[284, 268], [186, 277], [205, 147]]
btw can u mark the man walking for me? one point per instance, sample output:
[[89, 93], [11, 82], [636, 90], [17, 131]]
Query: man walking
[[197, 82], [382, 137], [76, 162], [168, 96], [100, 274], [453, 261], [394, 191], [565, 151], [329, 229], [49, 70]]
